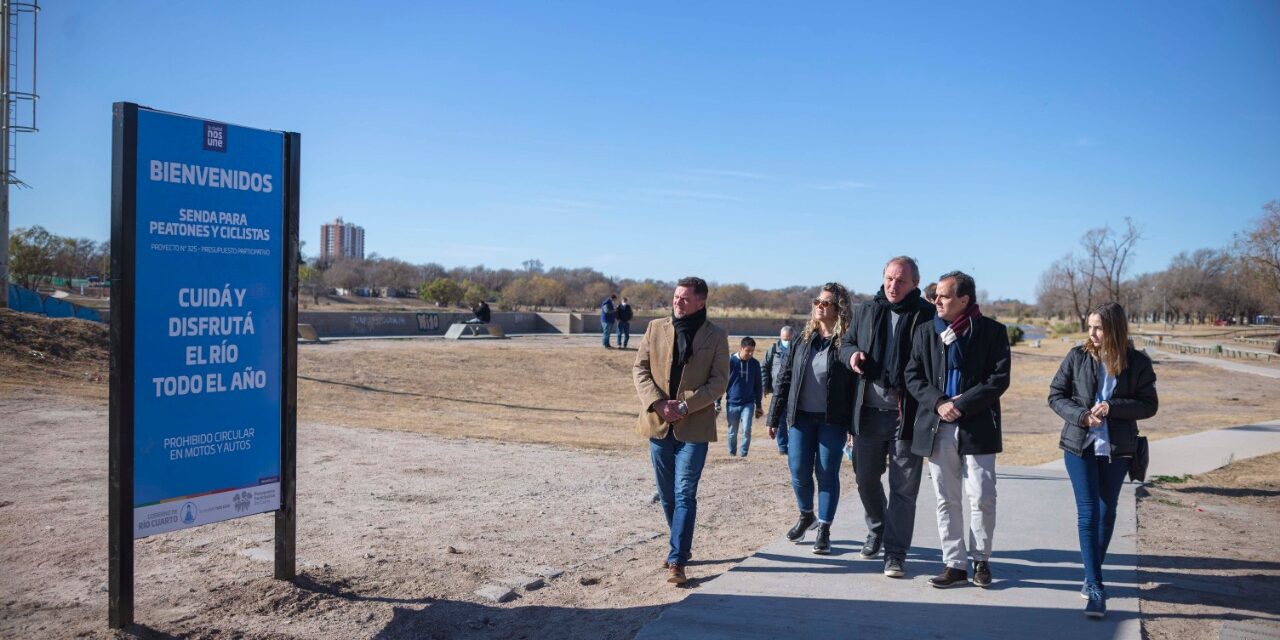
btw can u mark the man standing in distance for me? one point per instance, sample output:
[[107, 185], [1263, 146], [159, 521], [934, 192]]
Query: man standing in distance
[[625, 314], [959, 368], [877, 346], [773, 362], [681, 368], [608, 318]]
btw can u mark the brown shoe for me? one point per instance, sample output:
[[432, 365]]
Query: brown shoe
[[950, 578], [667, 564], [676, 575]]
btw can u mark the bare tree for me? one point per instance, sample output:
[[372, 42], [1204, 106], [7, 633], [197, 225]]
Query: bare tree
[[1260, 245], [1078, 282], [594, 294], [733, 296], [347, 274], [1108, 253], [645, 295], [1069, 286]]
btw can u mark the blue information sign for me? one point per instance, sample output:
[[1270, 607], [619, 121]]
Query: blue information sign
[[209, 243]]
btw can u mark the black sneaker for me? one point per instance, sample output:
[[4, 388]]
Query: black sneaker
[[871, 547], [822, 543], [802, 525], [894, 567], [1096, 607], [982, 574], [1084, 591], [950, 578]]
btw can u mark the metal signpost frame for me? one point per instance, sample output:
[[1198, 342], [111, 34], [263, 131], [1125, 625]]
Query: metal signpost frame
[[124, 279]]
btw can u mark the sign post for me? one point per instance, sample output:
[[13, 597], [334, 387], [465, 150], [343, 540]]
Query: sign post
[[203, 332]]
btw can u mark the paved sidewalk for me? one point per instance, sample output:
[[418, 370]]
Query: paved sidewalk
[[784, 591], [1229, 365], [1208, 450]]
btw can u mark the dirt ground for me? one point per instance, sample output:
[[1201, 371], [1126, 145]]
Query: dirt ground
[[517, 454], [1207, 552], [378, 513]]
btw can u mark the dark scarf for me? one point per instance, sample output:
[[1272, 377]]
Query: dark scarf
[[686, 328], [887, 343], [951, 334]]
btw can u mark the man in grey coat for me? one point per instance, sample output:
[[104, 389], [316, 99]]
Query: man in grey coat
[[773, 363]]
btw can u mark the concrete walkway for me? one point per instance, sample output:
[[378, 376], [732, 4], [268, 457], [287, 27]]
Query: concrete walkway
[[784, 591], [1208, 450], [1229, 365]]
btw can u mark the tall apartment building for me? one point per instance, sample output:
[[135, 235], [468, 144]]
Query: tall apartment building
[[341, 240]]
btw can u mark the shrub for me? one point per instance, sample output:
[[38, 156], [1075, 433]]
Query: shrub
[[1015, 334], [1064, 328]]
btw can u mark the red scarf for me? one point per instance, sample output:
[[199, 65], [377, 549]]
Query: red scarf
[[960, 325]]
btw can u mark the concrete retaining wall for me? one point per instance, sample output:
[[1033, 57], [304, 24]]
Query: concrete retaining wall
[[754, 327], [410, 323], [436, 323]]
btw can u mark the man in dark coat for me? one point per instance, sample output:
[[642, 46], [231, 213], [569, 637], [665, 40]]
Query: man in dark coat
[[876, 347], [482, 312], [774, 360], [959, 368], [625, 314]]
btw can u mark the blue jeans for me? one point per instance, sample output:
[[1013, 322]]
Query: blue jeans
[[782, 436], [740, 415], [1096, 483], [677, 466], [624, 333], [816, 448], [607, 329]]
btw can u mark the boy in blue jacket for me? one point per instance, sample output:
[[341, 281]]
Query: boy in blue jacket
[[745, 394]]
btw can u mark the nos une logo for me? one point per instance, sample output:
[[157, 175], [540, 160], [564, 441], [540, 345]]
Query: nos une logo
[[215, 136]]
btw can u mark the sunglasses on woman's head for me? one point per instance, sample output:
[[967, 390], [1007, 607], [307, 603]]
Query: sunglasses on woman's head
[[819, 302]]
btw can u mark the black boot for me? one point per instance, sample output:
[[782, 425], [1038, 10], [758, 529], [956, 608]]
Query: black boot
[[822, 543], [802, 525]]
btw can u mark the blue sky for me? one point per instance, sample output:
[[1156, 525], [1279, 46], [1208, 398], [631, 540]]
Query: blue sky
[[756, 143]]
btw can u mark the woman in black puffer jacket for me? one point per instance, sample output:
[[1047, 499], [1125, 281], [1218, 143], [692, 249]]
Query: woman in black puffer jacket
[[814, 396], [1101, 390]]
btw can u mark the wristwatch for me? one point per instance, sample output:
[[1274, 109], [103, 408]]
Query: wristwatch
[[682, 408]]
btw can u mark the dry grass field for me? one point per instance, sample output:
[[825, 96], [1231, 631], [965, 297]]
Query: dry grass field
[[568, 391]]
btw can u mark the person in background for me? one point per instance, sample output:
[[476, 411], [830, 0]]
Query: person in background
[[482, 312], [1101, 391], [931, 292], [681, 367], [774, 359], [814, 396], [625, 314], [745, 396], [608, 318]]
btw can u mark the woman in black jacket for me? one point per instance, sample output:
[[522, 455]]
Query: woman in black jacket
[[814, 394], [1101, 390]]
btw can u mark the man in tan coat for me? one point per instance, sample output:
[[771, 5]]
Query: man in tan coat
[[681, 367]]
